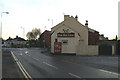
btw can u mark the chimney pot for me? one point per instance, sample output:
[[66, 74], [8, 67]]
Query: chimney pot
[[86, 24], [76, 17]]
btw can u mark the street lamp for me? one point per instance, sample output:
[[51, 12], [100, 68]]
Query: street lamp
[[1, 44], [51, 20], [44, 37], [1, 26], [23, 31]]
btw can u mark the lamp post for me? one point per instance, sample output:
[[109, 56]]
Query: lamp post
[[51, 20], [1, 45], [23, 31], [1, 26], [44, 37]]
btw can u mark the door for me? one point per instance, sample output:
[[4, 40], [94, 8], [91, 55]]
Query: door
[[105, 50], [57, 47]]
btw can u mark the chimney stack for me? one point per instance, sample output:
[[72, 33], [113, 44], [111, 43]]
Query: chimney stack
[[66, 16], [102, 35]]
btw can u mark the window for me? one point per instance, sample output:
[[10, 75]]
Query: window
[[56, 40], [64, 41]]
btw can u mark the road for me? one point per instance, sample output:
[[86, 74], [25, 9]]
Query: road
[[35, 64], [9, 67]]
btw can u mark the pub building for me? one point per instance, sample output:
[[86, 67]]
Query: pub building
[[72, 37], [68, 35]]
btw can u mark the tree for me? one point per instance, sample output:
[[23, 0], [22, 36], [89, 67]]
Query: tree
[[34, 34]]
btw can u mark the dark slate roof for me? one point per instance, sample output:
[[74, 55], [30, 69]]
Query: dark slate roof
[[19, 39], [9, 39]]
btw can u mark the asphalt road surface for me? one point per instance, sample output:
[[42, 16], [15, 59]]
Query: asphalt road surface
[[9, 66], [34, 64]]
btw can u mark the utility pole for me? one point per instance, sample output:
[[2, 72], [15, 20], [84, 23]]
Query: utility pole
[[1, 27], [1, 45], [44, 37], [23, 32]]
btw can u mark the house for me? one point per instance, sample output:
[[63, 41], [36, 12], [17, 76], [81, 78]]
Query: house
[[8, 42], [2, 40], [45, 39], [72, 37], [93, 37], [101, 37], [19, 42], [16, 42]]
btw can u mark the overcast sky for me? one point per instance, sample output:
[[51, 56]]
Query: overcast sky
[[102, 15]]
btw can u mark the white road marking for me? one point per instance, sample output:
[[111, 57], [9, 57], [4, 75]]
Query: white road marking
[[32, 57], [110, 72], [74, 75], [26, 52], [36, 59], [99, 69], [14, 56], [20, 54], [21, 49], [50, 65]]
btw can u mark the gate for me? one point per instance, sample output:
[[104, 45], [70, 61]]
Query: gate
[[105, 50]]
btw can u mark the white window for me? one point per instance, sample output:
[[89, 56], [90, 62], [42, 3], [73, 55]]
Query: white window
[[64, 41]]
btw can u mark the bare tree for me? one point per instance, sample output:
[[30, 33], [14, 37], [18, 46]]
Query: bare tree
[[28, 36], [34, 34]]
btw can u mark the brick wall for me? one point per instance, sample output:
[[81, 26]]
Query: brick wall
[[93, 37], [46, 35]]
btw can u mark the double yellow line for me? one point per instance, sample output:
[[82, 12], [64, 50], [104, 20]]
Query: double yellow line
[[25, 73]]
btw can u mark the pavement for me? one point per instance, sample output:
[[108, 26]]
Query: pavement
[[9, 67], [39, 65]]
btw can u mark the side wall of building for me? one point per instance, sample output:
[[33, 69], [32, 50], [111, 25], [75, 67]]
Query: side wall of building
[[79, 28], [45, 36], [81, 35], [93, 38], [69, 47]]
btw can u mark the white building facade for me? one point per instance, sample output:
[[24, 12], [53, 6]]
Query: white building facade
[[67, 36], [71, 37]]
